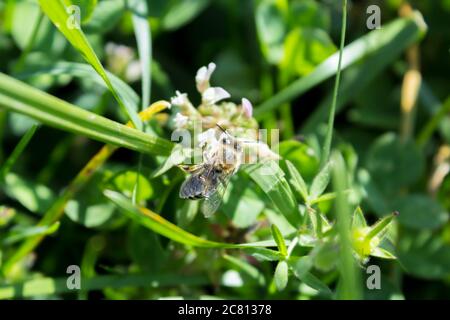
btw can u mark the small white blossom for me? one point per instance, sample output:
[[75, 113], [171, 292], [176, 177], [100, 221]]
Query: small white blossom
[[133, 72], [247, 107], [203, 75], [265, 152], [180, 120], [214, 94], [180, 99], [207, 138]]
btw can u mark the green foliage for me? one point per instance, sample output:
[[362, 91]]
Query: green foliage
[[302, 227]]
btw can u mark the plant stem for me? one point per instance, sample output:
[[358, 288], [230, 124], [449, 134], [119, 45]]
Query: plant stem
[[427, 131], [349, 288], [329, 134], [17, 152]]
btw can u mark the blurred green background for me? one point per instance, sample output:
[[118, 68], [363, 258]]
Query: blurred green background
[[260, 48]]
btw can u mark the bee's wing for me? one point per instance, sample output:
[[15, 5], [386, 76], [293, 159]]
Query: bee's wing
[[214, 199]]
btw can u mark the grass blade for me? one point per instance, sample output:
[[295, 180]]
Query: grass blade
[[18, 235], [57, 12], [407, 30], [6, 167], [158, 224], [84, 71], [329, 135], [350, 288], [143, 36], [271, 179], [20, 97]]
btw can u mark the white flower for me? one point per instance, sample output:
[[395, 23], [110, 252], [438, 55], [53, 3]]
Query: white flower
[[180, 99], [207, 138], [203, 75], [264, 151], [213, 95], [180, 120], [247, 107], [133, 72]]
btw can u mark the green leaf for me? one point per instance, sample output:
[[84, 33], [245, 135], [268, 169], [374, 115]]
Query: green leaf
[[19, 97], [35, 197], [271, 27], [302, 156], [143, 36], [182, 12], [89, 207], [20, 147], [46, 39], [297, 181], [315, 283], [241, 203], [304, 49], [271, 179], [278, 237], [187, 212], [419, 211], [300, 266], [382, 253], [264, 254], [424, 254], [327, 257], [320, 182], [145, 249], [125, 181], [158, 224], [396, 36], [358, 220], [83, 72], [18, 234], [281, 275], [69, 27], [309, 13], [373, 195], [394, 164]]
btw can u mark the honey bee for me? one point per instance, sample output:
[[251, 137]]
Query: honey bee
[[208, 180]]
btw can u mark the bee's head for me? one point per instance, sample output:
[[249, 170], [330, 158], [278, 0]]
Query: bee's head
[[227, 140]]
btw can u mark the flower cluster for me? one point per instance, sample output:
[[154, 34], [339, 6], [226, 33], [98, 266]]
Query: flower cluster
[[236, 119]]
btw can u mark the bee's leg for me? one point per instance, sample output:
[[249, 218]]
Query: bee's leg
[[189, 168]]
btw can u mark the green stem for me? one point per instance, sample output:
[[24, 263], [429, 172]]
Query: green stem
[[379, 226], [349, 288], [329, 135], [17, 152], [433, 123]]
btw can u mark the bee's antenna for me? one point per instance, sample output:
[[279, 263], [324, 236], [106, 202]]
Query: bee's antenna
[[221, 128]]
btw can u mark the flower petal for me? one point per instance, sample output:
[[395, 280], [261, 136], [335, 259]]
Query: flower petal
[[206, 138], [180, 120], [247, 107], [180, 99], [214, 94], [203, 75]]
